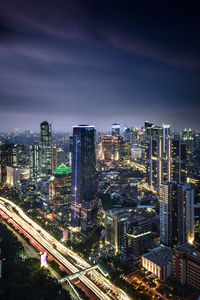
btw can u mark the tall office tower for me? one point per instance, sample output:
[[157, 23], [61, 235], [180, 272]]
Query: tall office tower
[[45, 131], [115, 229], [176, 160], [83, 170], [166, 135], [116, 129], [34, 152], [124, 153], [176, 214], [107, 152], [154, 155], [7, 158], [138, 235], [60, 191], [58, 157]]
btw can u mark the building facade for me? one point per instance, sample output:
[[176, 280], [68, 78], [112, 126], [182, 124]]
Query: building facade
[[58, 157], [7, 158], [186, 265], [115, 229], [35, 157], [46, 149], [60, 191], [138, 235], [176, 213], [83, 170], [13, 176], [159, 262]]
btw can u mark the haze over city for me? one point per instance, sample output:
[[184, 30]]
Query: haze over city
[[98, 62]]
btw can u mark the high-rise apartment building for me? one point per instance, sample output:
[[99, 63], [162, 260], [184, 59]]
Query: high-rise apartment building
[[83, 170], [7, 158], [167, 163], [35, 156], [176, 160], [154, 162], [46, 145], [166, 135], [176, 213]]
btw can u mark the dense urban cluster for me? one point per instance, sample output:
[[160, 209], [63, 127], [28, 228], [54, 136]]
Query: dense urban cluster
[[128, 200]]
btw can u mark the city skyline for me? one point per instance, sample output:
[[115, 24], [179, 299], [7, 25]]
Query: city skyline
[[71, 63]]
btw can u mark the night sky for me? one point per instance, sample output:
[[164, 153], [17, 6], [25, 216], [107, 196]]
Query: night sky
[[99, 62]]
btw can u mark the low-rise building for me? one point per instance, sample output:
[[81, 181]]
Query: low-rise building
[[159, 262]]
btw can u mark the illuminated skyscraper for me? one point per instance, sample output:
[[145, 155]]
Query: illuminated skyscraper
[[35, 157], [176, 213], [83, 170], [166, 135], [45, 131], [177, 160], [60, 191], [154, 162]]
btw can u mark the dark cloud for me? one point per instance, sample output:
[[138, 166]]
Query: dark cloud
[[98, 62]]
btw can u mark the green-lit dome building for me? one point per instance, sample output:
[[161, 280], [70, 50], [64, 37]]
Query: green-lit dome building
[[60, 191]]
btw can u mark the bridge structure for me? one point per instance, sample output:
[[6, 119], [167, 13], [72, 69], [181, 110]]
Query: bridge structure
[[83, 272]]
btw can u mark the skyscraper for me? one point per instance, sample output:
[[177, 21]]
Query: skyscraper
[[83, 170], [35, 157], [166, 135], [176, 158], [154, 162], [45, 131], [176, 213], [7, 158], [60, 191]]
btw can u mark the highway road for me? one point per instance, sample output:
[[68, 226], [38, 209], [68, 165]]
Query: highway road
[[92, 281]]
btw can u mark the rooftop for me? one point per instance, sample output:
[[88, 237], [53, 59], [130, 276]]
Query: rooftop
[[62, 170], [190, 249], [161, 256]]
